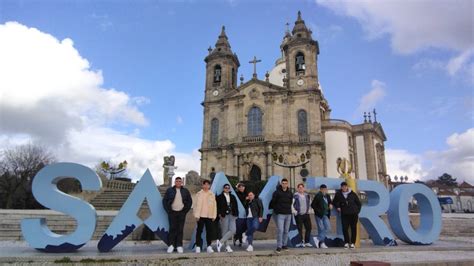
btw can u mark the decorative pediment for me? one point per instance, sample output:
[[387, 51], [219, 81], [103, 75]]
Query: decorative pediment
[[379, 131], [254, 83]]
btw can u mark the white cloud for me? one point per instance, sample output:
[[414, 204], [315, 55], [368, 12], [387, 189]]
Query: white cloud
[[116, 146], [375, 95], [461, 65], [460, 62], [413, 25], [457, 160], [417, 25], [404, 163], [179, 120], [49, 94]]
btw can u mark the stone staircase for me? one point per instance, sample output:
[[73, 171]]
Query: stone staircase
[[113, 196], [10, 226]]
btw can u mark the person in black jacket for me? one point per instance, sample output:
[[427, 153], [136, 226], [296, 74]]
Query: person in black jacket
[[228, 211], [282, 201], [177, 202], [254, 214], [241, 194], [322, 206], [348, 205]]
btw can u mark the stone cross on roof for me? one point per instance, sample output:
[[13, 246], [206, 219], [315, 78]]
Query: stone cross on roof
[[254, 62]]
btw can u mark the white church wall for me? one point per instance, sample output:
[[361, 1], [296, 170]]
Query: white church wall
[[361, 166], [337, 145]]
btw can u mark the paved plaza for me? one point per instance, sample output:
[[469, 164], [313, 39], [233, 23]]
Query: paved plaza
[[447, 251]]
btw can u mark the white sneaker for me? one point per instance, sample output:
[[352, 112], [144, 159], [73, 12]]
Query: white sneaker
[[323, 245], [244, 238], [218, 245], [308, 245], [209, 249], [352, 246], [198, 250], [170, 249], [228, 249], [180, 249], [250, 248], [316, 242], [300, 245], [346, 246]]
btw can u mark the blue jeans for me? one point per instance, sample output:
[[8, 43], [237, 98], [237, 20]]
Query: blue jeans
[[252, 226], [324, 226], [283, 226]]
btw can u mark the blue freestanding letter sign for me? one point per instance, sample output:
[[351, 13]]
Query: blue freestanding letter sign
[[46, 192]]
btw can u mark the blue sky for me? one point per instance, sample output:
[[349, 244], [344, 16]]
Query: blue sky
[[153, 51]]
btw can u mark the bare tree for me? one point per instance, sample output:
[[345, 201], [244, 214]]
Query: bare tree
[[25, 161], [18, 166]]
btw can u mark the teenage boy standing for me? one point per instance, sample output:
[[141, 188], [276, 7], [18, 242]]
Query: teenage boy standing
[[282, 201], [205, 213]]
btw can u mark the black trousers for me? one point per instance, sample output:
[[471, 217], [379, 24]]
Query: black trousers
[[240, 231], [176, 221], [304, 220], [209, 224], [349, 220]]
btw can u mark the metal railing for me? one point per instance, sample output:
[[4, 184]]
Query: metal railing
[[304, 138], [253, 139], [119, 185]]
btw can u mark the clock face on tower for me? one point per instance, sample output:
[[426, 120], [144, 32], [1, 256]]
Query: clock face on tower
[[215, 93], [300, 82]]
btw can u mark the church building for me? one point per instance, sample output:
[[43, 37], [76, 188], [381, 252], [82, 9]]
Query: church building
[[251, 126]]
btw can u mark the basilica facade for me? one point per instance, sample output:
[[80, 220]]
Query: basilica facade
[[249, 126]]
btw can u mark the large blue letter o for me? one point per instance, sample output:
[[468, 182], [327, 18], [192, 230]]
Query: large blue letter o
[[430, 214]]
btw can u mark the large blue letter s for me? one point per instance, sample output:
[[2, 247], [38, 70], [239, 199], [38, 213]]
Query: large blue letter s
[[44, 187]]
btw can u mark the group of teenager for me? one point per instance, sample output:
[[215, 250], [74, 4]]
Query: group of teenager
[[210, 210]]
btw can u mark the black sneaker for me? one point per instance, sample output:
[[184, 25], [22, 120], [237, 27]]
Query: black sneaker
[[278, 250], [285, 248]]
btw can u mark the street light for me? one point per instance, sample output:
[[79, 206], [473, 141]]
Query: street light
[[291, 162]]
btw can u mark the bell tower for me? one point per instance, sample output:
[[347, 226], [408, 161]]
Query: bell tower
[[221, 69], [301, 56]]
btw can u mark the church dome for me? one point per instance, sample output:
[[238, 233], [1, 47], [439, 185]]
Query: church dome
[[278, 72]]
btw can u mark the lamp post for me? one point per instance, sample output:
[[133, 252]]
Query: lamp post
[[291, 162]]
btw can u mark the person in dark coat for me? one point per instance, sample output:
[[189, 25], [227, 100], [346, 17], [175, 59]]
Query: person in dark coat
[[228, 211], [177, 202], [254, 214], [282, 202], [347, 203], [241, 194], [322, 206]]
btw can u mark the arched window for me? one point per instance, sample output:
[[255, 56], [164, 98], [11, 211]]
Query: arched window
[[302, 123], [300, 63], [214, 132], [217, 73], [254, 122]]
